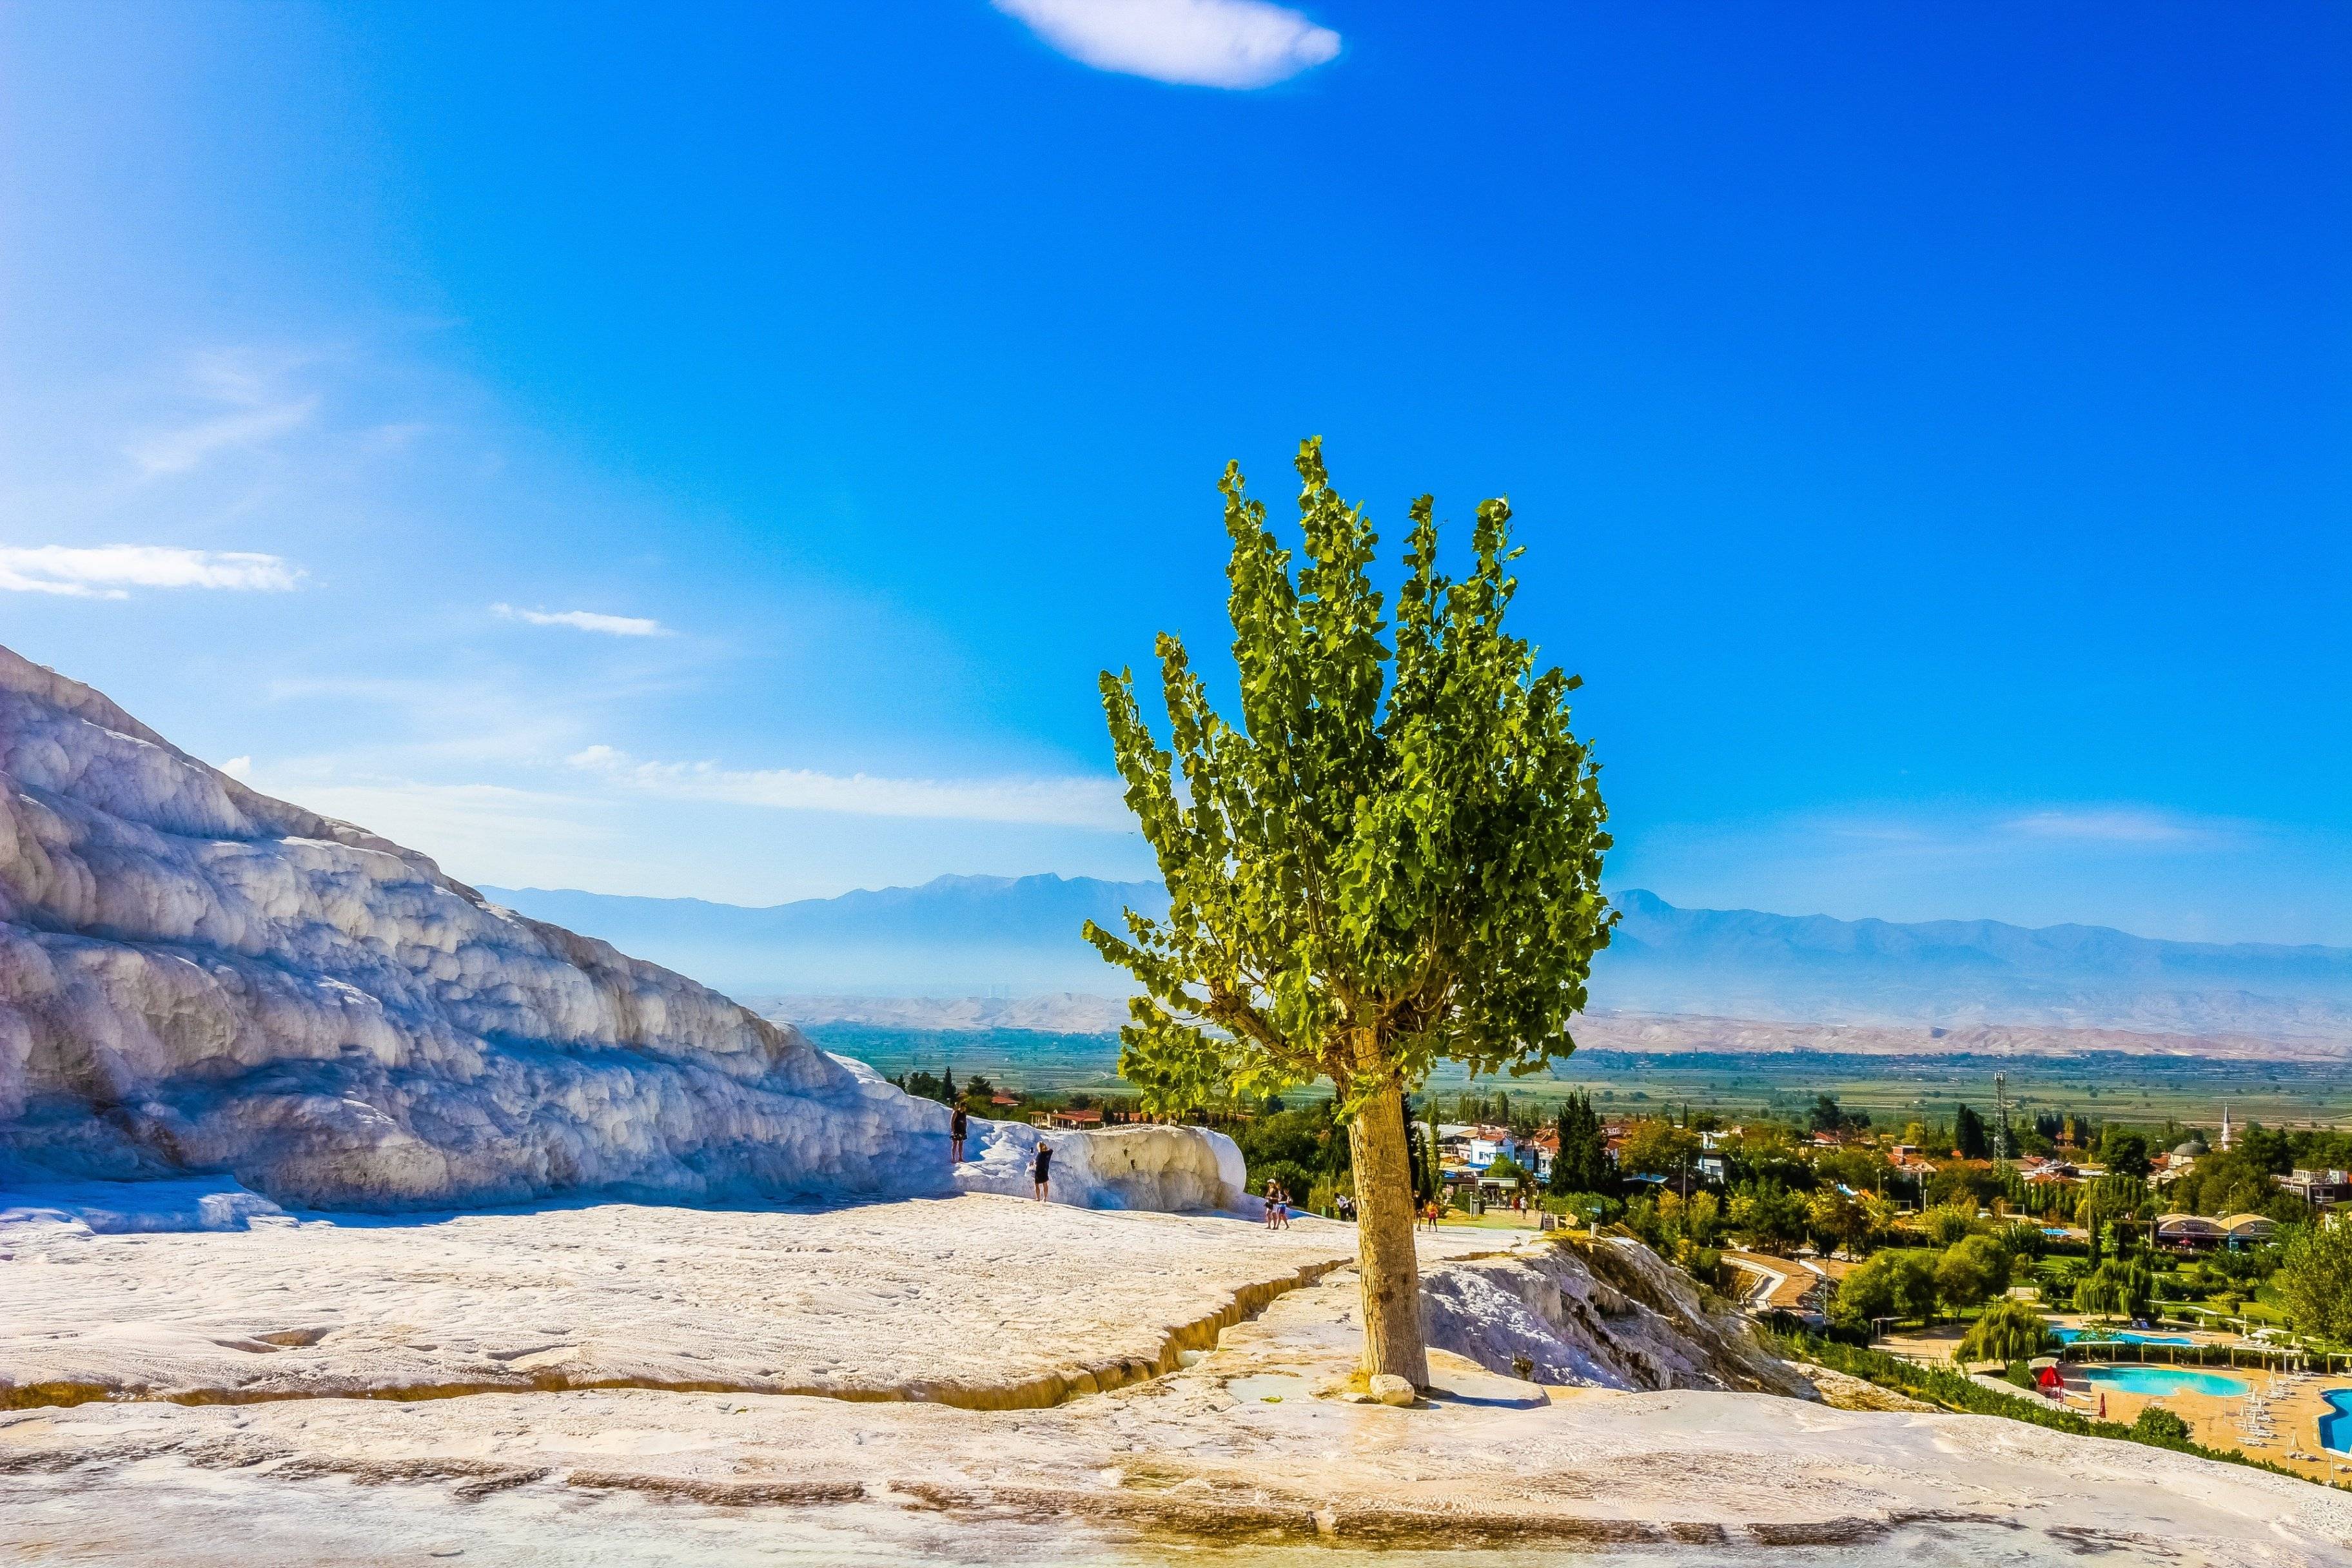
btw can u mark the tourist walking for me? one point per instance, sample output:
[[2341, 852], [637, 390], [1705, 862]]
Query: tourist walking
[[957, 1123], [1040, 1172], [1271, 1189]]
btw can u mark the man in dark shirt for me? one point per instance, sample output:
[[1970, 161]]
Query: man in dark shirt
[[956, 1122], [1045, 1163]]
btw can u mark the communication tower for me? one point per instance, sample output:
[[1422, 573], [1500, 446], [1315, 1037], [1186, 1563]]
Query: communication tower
[[2004, 1148]]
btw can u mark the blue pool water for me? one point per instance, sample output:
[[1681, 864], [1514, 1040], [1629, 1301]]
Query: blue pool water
[[2159, 1380], [2127, 1336], [2336, 1428]]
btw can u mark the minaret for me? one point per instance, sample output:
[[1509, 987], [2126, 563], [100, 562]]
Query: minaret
[[2225, 1126]]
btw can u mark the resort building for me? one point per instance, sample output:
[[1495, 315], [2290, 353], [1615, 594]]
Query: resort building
[[2189, 1230], [2202, 1231], [2321, 1189], [2248, 1229]]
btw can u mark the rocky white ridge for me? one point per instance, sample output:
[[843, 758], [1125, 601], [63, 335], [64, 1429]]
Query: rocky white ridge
[[1173, 1169], [195, 976]]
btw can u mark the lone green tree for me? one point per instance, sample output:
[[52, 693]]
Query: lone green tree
[[1582, 1163], [1393, 856], [2313, 1282]]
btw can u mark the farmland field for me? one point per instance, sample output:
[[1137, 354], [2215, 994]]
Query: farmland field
[[2108, 1085]]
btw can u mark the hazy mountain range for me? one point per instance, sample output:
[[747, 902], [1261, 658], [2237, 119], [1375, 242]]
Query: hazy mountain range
[[1012, 941], [953, 936]]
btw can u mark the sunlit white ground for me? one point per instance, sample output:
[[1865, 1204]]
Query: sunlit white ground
[[1242, 1457], [975, 1298]]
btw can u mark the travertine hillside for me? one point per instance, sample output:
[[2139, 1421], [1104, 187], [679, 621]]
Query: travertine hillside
[[194, 975]]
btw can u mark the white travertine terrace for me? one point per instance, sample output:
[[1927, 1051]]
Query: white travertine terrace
[[194, 975], [911, 1382]]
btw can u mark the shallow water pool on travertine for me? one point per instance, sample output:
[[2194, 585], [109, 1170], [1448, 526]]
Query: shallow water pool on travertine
[[1269, 1387], [162, 1511]]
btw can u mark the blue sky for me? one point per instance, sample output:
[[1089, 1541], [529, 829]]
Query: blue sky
[[711, 452]]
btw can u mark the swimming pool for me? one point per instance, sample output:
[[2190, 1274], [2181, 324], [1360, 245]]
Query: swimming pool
[[2125, 1336], [2159, 1381], [2336, 1427]]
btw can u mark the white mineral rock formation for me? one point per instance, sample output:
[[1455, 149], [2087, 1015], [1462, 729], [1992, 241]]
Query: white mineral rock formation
[[1169, 1168], [195, 976], [1613, 1315]]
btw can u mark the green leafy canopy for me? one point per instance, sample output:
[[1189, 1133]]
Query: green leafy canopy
[[1394, 857]]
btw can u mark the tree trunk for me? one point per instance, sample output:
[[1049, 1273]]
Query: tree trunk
[[1384, 1239]]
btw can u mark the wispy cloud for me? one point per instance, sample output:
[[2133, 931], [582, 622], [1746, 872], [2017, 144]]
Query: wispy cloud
[[586, 621], [473, 831], [177, 451], [1195, 43], [2123, 826], [244, 402], [111, 571], [1064, 802]]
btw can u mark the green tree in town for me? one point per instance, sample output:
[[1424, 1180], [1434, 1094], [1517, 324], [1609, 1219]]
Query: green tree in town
[[1837, 1220], [1890, 1285], [1656, 1147], [1428, 1179], [1864, 1296], [1306, 1139], [1393, 857], [1970, 1270], [1948, 1223], [1582, 1163], [2109, 1209], [2266, 1149], [2119, 1287], [1970, 1139], [1504, 1170], [2232, 1181], [2314, 1279], [2008, 1330], [2123, 1152], [1770, 1216]]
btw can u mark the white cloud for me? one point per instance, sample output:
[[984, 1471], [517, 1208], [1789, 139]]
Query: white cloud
[[1196, 43], [177, 451], [586, 621], [238, 768], [108, 571], [1093, 803]]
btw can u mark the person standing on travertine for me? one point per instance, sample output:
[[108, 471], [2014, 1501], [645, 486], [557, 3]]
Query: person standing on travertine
[[956, 1124], [1045, 1163]]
